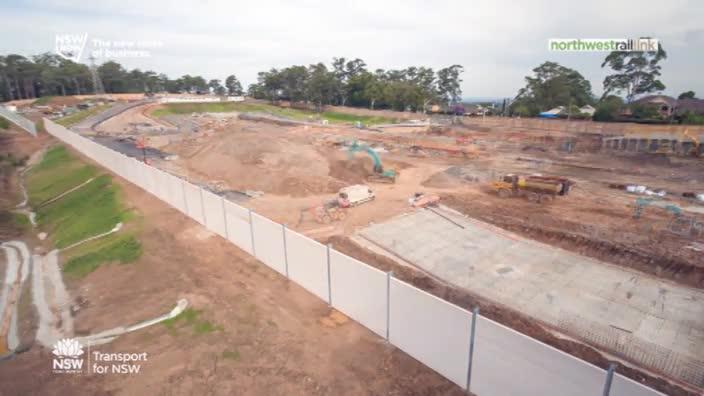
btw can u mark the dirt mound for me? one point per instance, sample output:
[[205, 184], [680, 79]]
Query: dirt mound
[[353, 171], [455, 175], [440, 180]]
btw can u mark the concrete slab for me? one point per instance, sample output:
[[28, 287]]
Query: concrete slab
[[657, 324]]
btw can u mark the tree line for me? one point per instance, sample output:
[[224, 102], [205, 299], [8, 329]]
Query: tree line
[[350, 83], [49, 74], [343, 82]]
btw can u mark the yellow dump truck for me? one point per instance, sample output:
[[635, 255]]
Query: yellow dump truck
[[534, 188]]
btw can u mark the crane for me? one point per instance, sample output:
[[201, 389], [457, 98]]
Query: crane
[[380, 175]]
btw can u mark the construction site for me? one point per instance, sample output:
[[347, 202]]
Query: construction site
[[584, 235]]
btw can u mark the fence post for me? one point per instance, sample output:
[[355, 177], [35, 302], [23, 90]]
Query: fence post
[[329, 281], [185, 201], [389, 275], [283, 232], [251, 232], [224, 218], [609, 378], [475, 312], [202, 206]]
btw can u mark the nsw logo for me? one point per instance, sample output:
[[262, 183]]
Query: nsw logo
[[70, 46], [67, 356]]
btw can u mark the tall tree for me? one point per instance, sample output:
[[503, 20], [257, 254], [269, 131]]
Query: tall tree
[[635, 73], [322, 85], [216, 87], [233, 85], [448, 83], [550, 86]]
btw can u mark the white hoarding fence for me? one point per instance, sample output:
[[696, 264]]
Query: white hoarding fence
[[359, 291], [18, 120], [307, 263], [434, 331]]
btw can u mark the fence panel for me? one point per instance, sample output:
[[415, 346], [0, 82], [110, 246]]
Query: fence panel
[[365, 304], [162, 186], [269, 243], [307, 263], [622, 386], [194, 205], [177, 195], [532, 367], [238, 226], [19, 120], [431, 330], [214, 216]]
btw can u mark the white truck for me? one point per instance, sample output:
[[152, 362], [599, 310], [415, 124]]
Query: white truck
[[355, 195]]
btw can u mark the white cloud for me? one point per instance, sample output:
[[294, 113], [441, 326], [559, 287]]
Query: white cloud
[[497, 42]]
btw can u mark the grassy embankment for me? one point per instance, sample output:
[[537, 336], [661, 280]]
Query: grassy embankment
[[81, 115], [4, 124], [295, 114], [92, 209], [44, 100]]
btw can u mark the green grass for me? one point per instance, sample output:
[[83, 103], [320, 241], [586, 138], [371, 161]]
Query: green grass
[[57, 173], [191, 317], [90, 210], [295, 114], [43, 100], [123, 248], [81, 115], [4, 123], [21, 220], [231, 355]]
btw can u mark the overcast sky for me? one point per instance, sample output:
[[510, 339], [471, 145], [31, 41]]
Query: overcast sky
[[497, 42]]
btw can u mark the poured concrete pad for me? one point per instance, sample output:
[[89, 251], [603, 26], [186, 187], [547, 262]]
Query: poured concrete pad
[[656, 323]]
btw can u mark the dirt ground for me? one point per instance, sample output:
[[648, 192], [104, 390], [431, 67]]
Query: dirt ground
[[270, 336], [298, 168]]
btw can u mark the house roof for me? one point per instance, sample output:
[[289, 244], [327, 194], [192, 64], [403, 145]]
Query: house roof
[[691, 105], [669, 100]]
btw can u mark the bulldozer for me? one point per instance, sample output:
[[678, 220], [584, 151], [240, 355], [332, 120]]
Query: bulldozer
[[380, 174], [538, 189]]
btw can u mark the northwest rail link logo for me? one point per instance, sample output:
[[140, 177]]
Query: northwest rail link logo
[[608, 44]]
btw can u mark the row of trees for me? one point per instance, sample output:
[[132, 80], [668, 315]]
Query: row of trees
[[344, 82], [633, 74], [349, 82], [50, 74]]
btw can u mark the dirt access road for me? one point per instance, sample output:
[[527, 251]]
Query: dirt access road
[[268, 335]]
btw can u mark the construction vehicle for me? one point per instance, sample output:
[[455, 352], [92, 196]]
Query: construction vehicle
[[534, 188], [336, 209], [380, 175], [355, 195], [421, 200]]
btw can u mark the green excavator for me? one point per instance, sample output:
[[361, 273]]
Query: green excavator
[[380, 175]]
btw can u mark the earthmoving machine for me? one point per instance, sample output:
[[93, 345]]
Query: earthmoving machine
[[380, 175], [335, 209], [534, 188]]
